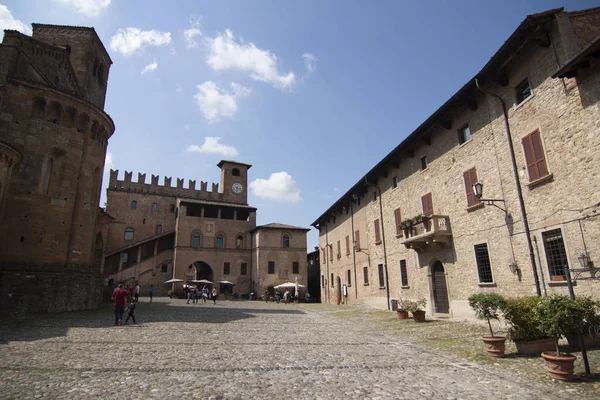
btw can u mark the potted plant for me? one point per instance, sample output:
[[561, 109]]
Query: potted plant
[[591, 325], [402, 310], [417, 309], [488, 306], [559, 315], [524, 327]]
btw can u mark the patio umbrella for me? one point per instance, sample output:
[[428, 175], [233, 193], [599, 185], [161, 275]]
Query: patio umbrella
[[296, 288], [204, 281], [288, 285], [226, 283], [174, 280]]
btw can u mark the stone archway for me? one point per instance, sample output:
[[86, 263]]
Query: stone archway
[[202, 270], [439, 288]]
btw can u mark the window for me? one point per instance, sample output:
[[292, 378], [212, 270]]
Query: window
[[339, 250], [295, 268], [271, 269], [398, 220], [124, 258], [172, 208], [357, 240], [244, 269], [164, 268], [226, 268], [366, 275], [377, 234], [286, 241], [523, 91], [403, 274], [374, 195], [239, 242], [423, 163], [534, 156], [484, 267], [235, 172], [464, 134], [381, 277], [158, 229], [322, 281], [349, 278], [347, 245], [329, 246], [324, 255], [470, 177], [128, 236], [220, 241], [427, 203], [395, 182], [154, 207], [196, 240], [556, 256], [332, 285]]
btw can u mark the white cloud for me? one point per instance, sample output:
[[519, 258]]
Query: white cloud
[[190, 34], [211, 145], [226, 53], [310, 62], [187, 126], [132, 40], [7, 21], [150, 67], [279, 187], [215, 103], [89, 8]]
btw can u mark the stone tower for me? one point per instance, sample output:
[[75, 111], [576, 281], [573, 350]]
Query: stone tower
[[234, 181], [53, 133]]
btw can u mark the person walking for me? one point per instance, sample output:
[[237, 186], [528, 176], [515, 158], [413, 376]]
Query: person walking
[[119, 297], [188, 294], [137, 292], [131, 312], [151, 293], [194, 296], [130, 291], [266, 296], [214, 295], [204, 294]]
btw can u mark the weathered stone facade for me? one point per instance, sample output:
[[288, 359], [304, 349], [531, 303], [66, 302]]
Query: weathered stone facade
[[54, 134], [466, 246]]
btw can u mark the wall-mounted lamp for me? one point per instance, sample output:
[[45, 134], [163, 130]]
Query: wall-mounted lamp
[[513, 267], [585, 261], [478, 190]]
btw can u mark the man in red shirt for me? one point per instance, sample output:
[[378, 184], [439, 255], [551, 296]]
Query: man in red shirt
[[119, 297]]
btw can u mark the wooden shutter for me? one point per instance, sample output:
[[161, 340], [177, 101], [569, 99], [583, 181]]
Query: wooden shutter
[[339, 250], [427, 203], [357, 240], [377, 234], [534, 156], [347, 244], [470, 178], [398, 219]]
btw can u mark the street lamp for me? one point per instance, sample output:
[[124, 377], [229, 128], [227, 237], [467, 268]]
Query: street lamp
[[584, 260], [478, 190]]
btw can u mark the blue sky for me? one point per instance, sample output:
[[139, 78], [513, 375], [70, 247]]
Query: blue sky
[[311, 93]]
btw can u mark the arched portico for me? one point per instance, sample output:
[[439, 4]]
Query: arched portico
[[200, 270]]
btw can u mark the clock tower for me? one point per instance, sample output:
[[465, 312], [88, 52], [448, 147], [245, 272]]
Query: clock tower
[[234, 181]]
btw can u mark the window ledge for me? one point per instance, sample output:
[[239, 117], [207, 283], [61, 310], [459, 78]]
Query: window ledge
[[475, 206], [405, 287], [561, 283], [491, 284], [517, 106], [381, 287], [366, 284], [463, 144], [541, 181], [424, 170], [378, 243]]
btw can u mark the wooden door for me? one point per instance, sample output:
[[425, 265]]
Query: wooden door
[[440, 290]]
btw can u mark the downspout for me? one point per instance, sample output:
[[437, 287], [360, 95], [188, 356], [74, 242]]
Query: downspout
[[518, 185], [385, 268], [327, 250], [354, 252]]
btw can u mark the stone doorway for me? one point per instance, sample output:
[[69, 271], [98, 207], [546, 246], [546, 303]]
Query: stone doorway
[[201, 270], [440, 289]]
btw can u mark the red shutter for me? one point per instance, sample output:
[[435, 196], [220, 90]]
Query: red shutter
[[357, 240], [398, 219], [534, 156], [377, 235], [427, 203], [470, 178], [347, 245]]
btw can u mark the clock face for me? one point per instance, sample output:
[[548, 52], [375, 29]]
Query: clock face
[[237, 188]]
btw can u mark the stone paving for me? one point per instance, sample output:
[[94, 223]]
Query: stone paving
[[236, 350]]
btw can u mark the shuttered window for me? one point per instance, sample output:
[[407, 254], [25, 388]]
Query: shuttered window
[[377, 233], [347, 245], [534, 156], [427, 203], [403, 274], [366, 275], [226, 268], [357, 240], [339, 250], [398, 220], [381, 277], [470, 178], [349, 278]]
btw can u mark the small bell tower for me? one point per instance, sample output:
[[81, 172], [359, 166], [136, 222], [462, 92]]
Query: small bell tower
[[234, 181]]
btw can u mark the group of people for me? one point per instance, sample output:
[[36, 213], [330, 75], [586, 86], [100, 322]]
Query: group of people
[[121, 297], [192, 293], [288, 297]]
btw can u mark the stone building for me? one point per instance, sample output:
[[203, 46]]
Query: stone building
[[159, 232], [526, 128], [53, 138]]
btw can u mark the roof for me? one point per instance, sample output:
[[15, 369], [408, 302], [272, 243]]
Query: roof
[[220, 164], [215, 203], [492, 69], [580, 60], [275, 225]]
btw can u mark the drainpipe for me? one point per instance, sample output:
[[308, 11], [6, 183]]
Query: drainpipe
[[354, 252], [385, 268], [518, 185], [328, 249]]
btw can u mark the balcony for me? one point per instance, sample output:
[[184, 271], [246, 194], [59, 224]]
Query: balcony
[[429, 233]]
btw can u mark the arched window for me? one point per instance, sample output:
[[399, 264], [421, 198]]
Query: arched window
[[196, 240], [239, 242], [286, 241], [133, 205], [154, 207], [235, 172], [172, 208], [128, 237], [220, 241]]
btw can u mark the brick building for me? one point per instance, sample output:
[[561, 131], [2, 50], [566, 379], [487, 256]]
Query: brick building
[[53, 138], [158, 232], [413, 226]]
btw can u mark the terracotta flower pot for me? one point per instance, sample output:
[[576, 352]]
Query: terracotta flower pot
[[494, 346], [402, 314], [419, 316], [559, 367], [534, 346]]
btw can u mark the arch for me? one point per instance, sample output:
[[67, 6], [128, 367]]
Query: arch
[[439, 287], [38, 107], [128, 235], [83, 122], [196, 239], [220, 241], [154, 207], [70, 117], [239, 241], [235, 172], [202, 271], [54, 112], [134, 205], [94, 130], [285, 241]]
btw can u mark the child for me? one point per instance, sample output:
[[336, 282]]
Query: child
[[131, 310], [151, 292]]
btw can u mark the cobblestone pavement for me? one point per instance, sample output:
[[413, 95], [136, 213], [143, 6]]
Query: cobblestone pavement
[[236, 350]]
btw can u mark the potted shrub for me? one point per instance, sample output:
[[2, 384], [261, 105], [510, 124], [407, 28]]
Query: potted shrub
[[524, 327], [559, 316], [591, 325], [488, 306], [417, 309], [402, 310]]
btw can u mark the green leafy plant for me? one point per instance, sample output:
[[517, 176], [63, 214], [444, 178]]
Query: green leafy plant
[[592, 313], [417, 305], [487, 306], [559, 315], [170, 293], [522, 320], [404, 304]]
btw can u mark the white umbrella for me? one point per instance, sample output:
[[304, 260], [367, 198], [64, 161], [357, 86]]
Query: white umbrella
[[296, 287], [174, 280], [204, 281], [226, 283], [288, 285]]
